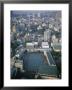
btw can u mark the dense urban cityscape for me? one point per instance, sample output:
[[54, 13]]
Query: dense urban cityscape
[[35, 44]]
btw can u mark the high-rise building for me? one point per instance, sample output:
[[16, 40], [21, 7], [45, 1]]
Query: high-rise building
[[14, 29], [47, 35]]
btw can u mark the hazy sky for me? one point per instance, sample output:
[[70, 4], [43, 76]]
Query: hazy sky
[[35, 11]]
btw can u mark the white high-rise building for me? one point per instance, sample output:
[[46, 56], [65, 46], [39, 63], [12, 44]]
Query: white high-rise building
[[47, 35], [14, 29]]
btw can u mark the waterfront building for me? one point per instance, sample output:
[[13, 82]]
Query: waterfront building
[[48, 72], [45, 45], [56, 47], [19, 64], [29, 45], [35, 44]]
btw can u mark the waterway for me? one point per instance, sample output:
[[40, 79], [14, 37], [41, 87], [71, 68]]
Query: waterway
[[32, 61]]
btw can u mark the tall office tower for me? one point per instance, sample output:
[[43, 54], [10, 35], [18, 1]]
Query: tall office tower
[[47, 35], [14, 29]]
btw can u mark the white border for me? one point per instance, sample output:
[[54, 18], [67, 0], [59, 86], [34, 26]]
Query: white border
[[65, 29]]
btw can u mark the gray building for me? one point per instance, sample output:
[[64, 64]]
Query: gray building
[[47, 35]]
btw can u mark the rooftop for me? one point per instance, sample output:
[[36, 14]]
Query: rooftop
[[48, 70], [56, 46], [45, 45]]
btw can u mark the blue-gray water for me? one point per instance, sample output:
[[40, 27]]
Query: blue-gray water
[[35, 62], [32, 61]]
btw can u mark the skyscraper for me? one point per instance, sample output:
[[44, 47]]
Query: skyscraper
[[47, 35], [14, 29]]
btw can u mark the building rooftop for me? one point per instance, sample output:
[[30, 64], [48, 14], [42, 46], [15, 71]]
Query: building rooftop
[[48, 70], [56, 46], [45, 45], [29, 44]]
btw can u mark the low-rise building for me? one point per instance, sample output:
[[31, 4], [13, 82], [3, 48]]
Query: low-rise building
[[48, 72], [35, 44], [19, 64], [56, 47], [29, 45], [45, 45]]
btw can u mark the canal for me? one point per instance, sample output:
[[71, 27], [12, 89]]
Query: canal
[[33, 60]]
